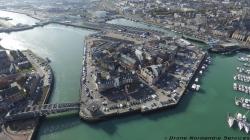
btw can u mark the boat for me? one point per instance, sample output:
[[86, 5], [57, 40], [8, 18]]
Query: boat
[[201, 72], [230, 120], [246, 127], [198, 87], [194, 86], [246, 64], [237, 102], [203, 67], [196, 80], [243, 102], [235, 87], [239, 119], [240, 125], [235, 77]]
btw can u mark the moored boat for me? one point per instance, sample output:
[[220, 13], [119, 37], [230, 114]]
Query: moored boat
[[243, 102], [246, 127], [230, 120], [240, 125]]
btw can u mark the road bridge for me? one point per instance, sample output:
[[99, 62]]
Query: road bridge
[[40, 111]]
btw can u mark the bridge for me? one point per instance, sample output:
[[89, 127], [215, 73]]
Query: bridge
[[40, 111]]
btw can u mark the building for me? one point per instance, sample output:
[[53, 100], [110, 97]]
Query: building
[[240, 35], [105, 84], [200, 19], [220, 32], [20, 59], [6, 66], [12, 94], [152, 73], [127, 61], [24, 64]]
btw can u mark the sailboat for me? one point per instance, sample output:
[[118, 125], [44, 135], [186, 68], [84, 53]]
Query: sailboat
[[239, 120], [230, 120], [246, 127], [237, 101], [240, 124]]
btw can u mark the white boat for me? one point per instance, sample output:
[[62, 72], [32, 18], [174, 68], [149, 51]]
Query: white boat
[[196, 80], [198, 87], [240, 124], [244, 118], [201, 72], [230, 121], [239, 116], [194, 86], [240, 89], [243, 102], [246, 127], [237, 102], [235, 86], [235, 77]]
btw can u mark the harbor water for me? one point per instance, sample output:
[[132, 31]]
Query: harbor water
[[200, 113]]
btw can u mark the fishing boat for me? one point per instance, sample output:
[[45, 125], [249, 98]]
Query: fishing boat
[[230, 120]]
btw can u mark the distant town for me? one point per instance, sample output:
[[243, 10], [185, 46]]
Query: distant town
[[224, 23]]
